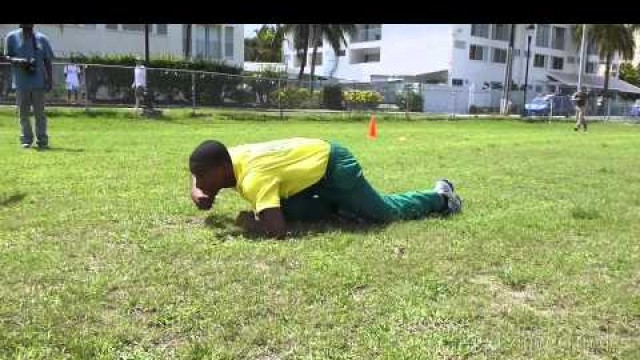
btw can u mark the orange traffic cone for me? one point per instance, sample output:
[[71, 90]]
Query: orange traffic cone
[[373, 127]]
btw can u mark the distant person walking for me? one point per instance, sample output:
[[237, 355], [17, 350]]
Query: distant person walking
[[72, 80], [139, 82], [580, 98], [30, 55]]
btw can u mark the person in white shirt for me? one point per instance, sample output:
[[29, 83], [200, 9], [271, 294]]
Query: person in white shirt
[[72, 80], [139, 82]]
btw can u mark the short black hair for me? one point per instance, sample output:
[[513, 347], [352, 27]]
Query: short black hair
[[208, 154]]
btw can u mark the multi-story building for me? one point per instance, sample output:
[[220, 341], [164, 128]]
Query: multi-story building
[[479, 56], [222, 42], [381, 49], [471, 54]]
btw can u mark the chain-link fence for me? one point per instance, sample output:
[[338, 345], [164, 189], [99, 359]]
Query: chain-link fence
[[111, 85]]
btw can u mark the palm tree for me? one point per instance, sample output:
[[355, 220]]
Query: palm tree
[[265, 46], [334, 34], [301, 37], [187, 45], [609, 39]]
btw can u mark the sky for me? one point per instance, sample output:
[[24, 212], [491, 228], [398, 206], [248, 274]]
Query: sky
[[249, 29]]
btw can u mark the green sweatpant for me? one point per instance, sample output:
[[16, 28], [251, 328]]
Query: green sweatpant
[[344, 190]]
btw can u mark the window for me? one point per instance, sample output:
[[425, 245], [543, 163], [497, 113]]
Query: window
[[456, 82], [539, 61], [476, 52], [614, 67], [375, 57], [133, 27], [161, 29], [215, 42], [341, 52], [557, 63], [459, 44], [208, 42], [366, 55], [590, 68], [228, 41], [571, 60], [496, 85], [480, 30], [499, 56], [516, 52], [542, 35], [368, 32], [558, 38], [111, 26], [500, 32]]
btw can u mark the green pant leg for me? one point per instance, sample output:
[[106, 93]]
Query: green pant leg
[[347, 186]]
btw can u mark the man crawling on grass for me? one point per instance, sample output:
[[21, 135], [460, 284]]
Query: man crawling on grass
[[303, 179]]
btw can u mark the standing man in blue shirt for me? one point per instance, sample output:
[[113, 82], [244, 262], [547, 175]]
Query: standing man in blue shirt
[[30, 55]]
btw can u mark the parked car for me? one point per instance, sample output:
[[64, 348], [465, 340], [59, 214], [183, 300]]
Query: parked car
[[542, 105], [635, 109]]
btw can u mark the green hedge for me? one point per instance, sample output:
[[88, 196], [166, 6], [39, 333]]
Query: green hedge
[[362, 99], [332, 97], [415, 101], [211, 88]]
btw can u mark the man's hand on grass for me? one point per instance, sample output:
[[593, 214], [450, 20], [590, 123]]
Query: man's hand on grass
[[270, 222], [246, 220], [202, 200]]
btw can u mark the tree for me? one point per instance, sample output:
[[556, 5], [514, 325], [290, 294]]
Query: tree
[[265, 46], [188, 35], [630, 74], [609, 39], [334, 34], [300, 33]]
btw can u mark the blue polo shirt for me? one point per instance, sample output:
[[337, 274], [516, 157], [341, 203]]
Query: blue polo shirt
[[16, 45]]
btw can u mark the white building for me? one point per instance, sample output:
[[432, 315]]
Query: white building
[[471, 54], [479, 56], [222, 42], [382, 49]]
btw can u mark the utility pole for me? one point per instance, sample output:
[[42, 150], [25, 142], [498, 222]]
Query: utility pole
[[506, 91], [582, 57]]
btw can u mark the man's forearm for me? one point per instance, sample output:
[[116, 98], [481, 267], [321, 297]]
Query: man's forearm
[[49, 69]]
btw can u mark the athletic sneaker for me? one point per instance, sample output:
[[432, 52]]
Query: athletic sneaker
[[446, 189], [25, 146]]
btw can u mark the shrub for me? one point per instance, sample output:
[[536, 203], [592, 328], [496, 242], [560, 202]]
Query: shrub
[[211, 88], [264, 83], [360, 99], [415, 101], [292, 97], [332, 97]]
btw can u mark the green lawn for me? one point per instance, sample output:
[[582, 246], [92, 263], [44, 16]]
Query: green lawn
[[103, 256]]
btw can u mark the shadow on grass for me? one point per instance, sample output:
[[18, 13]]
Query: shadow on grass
[[8, 200], [61, 149], [225, 226]]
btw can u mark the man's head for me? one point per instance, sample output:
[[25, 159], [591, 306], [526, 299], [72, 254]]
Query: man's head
[[26, 27], [211, 165]]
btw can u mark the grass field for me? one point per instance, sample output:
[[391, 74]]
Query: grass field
[[103, 256]]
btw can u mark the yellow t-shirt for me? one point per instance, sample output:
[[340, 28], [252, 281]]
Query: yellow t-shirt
[[274, 170]]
